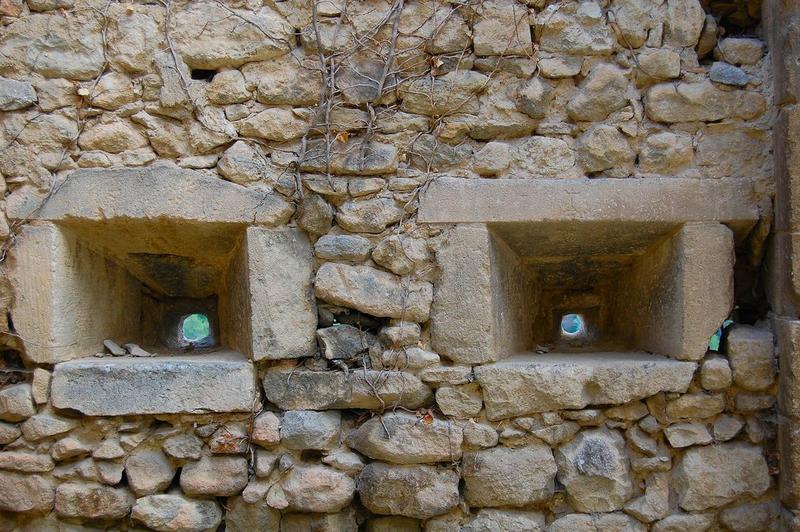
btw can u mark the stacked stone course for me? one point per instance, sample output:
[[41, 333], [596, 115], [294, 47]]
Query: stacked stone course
[[354, 187]]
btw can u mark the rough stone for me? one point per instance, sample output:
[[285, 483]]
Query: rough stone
[[176, 513], [502, 28], [183, 447], [712, 476], [313, 390], [700, 101], [603, 147], [306, 429], [463, 401], [318, 489], [369, 215], [9, 433], [543, 156], [521, 386], [112, 136], [15, 95], [726, 428], [401, 254], [657, 65], [227, 87], [684, 523], [148, 471], [696, 406], [275, 123], [216, 476], [16, 402], [285, 81], [445, 94], [354, 157], [596, 522], [243, 163], [654, 504], [739, 50], [343, 341], [26, 493], [242, 516], [374, 292], [344, 461], [92, 501], [343, 248], [747, 517], [492, 159], [25, 462], [490, 520], [230, 438], [685, 19], [45, 425], [400, 334], [339, 522], [687, 434], [410, 439], [574, 28], [534, 97], [715, 373], [266, 430], [508, 477], [207, 35], [157, 385], [601, 93], [314, 215], [595, 471], [40, 385], [728, 74], [752, 357], [417, 491]]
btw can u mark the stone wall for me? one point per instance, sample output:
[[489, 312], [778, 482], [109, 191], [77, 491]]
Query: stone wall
[[385, 207]]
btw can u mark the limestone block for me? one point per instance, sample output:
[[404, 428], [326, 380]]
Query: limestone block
[[502, 29], [208, 36], [374, 292], [338, 522], [217, 476], [148, 471], [242, 516], [684, 523], [715, 373], [576, 29], [40, 386], [601, 93], [417, 491], [173, 513], [595, 471], [746, 517], [92, 501], [591, 522], [654, 504], [68, 298], [15, 94], [482, 297], [508, 477], [444, 94], [25, 462], [16, 402], [752, 357], [789, 449], [463, 401], [709, 477], [306, 429], [685, 19], [368, 216], [46, 424], [286, 80], [739, 50], [542, 383], [26, 493], [681, 291], [700, 101], [266, 430], [343, 248], [505, 521], [220, 382], [322, 390], [687, 434], [410, 440], [270, 279], [353, 157], [317, 488]]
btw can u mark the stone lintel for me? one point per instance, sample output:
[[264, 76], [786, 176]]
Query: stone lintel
[[153, 193], [528, 384], [222, 381], [657, 200]]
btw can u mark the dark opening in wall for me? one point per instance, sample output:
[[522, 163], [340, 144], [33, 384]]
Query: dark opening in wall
[[735, 17], [202, 74], [12, 369]]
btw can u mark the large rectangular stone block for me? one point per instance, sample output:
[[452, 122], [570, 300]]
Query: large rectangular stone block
[[787, 169], [68, 298], [219, 382], [269, 310], [680, 291], [787, 334], [484, 298], [542, 383]]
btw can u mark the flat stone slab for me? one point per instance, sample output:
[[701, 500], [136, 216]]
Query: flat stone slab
[[657, 200], [151, 193], [557, 381], [222, 381]]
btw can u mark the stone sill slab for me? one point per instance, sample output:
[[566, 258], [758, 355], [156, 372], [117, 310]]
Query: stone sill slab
[[657, 200], [531, 383], [222, 381]]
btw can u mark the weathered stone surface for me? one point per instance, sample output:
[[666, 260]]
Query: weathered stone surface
[[543, 156], [747, 517], [16, 402], [603, 147], [708, 477], [400, 334], [654, 504], [752, 357], [353, 157], [15, 94], [374, 292], [183, 447], [368, 216], [148, 471], [218, 476], [401, 254], [9, 433], [700, 101], [728, 74], [343, 341], [685, 19], [686, 434], [411, 440], [601, 93], [726, 428], [596, 522], [502, 29], [445, 94], [155, 192], [657, 65], [26, 493], [392, 524], [176, 513], [413, 491], [266, 430], [489, 520], [92, 501], [306, 429], [274, 123], [347, 248], [541, 383], [112, 136], [157, 385], [739, 50], [574, 28], [25, 462], [243, 163], [242, 516], [40, 385], [339, 522], [285, 80], [208, 35], [696, 406], [313, 390], [684, 523], [534, 97], [460, 401], [317, 488], [595, 471], [715, 373], [508, 477], [230, 438]]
